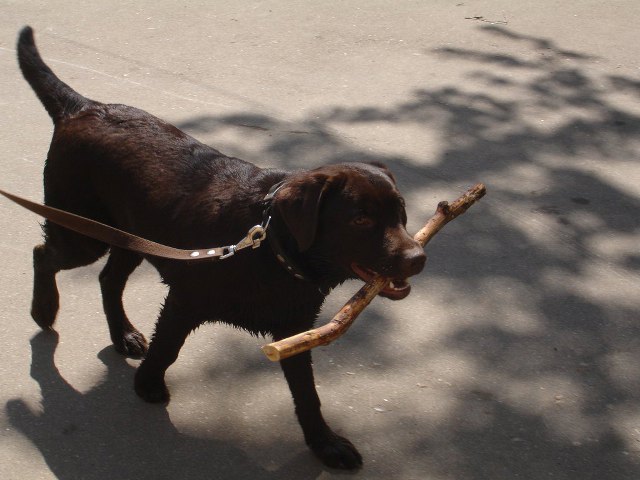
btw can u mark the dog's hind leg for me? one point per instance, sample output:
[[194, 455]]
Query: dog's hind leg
[[62, 250], [45, 303], [125, 337]]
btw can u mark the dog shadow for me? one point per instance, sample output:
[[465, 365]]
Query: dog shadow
[[108, 433]]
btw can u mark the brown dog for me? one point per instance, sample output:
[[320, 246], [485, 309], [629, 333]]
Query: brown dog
[[123, 167]]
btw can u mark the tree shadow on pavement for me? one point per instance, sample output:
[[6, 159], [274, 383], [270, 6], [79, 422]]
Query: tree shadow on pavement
[[536, 287], [538, 280]]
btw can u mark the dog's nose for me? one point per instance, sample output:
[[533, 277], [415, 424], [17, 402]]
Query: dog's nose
[[414, 260]]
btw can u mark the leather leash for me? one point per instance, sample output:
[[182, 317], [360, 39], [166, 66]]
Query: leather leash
[[119, 238]]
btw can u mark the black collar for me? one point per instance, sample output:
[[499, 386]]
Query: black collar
[[283, 258]]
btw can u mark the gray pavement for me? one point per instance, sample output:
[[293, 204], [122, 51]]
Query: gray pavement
[[516, 355]]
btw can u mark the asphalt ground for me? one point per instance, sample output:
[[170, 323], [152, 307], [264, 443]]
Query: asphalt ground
[[515, 356]]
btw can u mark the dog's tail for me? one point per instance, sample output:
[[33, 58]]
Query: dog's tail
[[58, 98]]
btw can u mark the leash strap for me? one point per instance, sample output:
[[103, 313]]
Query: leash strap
[[128, 241]]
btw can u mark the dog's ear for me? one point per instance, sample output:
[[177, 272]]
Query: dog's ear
[[385, 170], [298, 203]]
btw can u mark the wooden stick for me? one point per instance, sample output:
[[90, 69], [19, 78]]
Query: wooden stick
[[341, 322]]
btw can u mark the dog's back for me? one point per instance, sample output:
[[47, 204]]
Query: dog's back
[[122, 166]]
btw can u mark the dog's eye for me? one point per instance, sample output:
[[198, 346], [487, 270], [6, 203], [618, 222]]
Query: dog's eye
[[362, 221]]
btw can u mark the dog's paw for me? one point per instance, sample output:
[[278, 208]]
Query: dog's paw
[[44, 309], [151, 389], [337, 452], [132, 344]]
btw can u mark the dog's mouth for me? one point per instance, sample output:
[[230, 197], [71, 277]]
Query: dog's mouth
[[397, 289]]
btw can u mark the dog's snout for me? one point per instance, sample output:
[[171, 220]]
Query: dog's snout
[[414, 260]]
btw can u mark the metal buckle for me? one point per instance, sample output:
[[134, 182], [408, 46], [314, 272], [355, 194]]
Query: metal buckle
[[230, 252], [254, 237]]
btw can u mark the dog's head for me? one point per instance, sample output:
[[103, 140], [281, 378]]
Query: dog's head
[[349, 221]]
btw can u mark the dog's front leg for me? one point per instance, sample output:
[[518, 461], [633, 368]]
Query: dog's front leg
[[333, 450], [173, 326]]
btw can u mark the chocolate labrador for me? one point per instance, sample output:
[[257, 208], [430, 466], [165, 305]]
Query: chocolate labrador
[[126, 168]]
